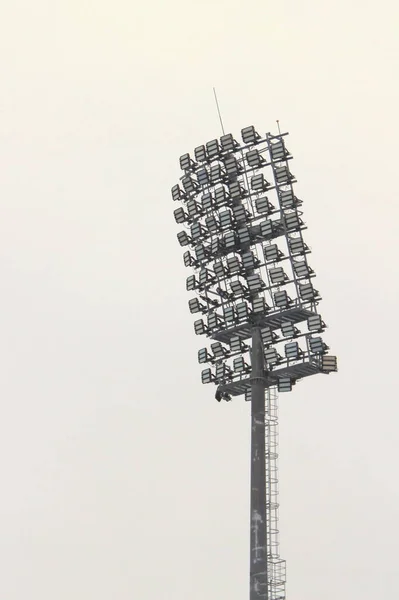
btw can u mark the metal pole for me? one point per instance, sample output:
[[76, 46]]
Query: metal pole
[[258, 551]]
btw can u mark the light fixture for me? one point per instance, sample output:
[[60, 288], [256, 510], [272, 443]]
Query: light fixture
[[207, 376], [254, 159], [292, 221], [278, 151], [220, 195], [231, 165], [191, 283], [195, 306], [242, 311], [271, 356], [282, 175], [186, 164], [328, 363], [272, 253], [188, 259], [240, 366], [189, 184], [230, 240], [236, 190], [281, 299], [180, 215], [284, 384], [317, 346], [233, 264], [219, 351], [302, 269], [228, 143], [244, 236], [213, 320], [197, 231], [268, 336], [236, 345], [183, 238], [177, 193], [248, 260], [213, 148], [259, 306], [240, 214], [200, 252], [207, 201], [203, 356], [287, 199], [238, 288], [315, 323], [292, 351], [192, 207], [229, 314], [262, 205], [259, 183], [225, 219], [277, 275], [217, 173], [307, 292], [255, 283], [297, 246], [205, 277], [266, 229], [199, 327], [219, 269], [211, 224], [289, 330], [216, 246], [249, 135], [203, 176], [200, 154]]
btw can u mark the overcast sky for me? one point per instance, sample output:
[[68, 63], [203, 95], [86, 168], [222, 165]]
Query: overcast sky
[[121, 477]]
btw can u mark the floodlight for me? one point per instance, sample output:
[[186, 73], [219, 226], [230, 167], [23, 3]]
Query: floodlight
[[197, 231], [240, 214], [266, 229], [236, 345], [268, 336], [307, 292], [271, 356], [292, 221], [228, 143], [207, 376], [272, 253], [229, 314], [205, 276], [277, 275], [236, 190], [180, 215], [211, 224], [188, 259], [259, 306], [282, 175], [195, 306], [302, 269], [278, 151], [222, 371], [328, 363], [220, 195], [200, 153], [240, 366], [217, 173], [219, 269], [297, 246], [292, 351], [254, 159], [203, 356], [231, 165], [263, 205], [287, 199], [199, 327], [284, 384], [244, 236], [191, 283], [248, 394], [213, 320], [203, 176], [216, 246], [255, 283], [259, 183], [289, 330], [249, 135], [317, 346], [242, 311], [225, 219], [200, 252], [219, 351], [213, 148], [192, 208], [183, 238], [237, 288], [189, 184], [207, 201], [186, 163], [177, 193], [315, 323], [233, 264], [281, 299], [230, 240], [248, 260]]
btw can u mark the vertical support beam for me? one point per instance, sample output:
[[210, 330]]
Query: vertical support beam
[[258, 551]]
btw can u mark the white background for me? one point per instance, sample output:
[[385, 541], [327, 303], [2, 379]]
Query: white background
[[121, 477]]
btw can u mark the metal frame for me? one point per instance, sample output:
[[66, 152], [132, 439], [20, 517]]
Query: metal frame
[[242, 222]]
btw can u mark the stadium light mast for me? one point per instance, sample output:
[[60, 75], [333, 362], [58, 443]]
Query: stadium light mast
[[252, 283]]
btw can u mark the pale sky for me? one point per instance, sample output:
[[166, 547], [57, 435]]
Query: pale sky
[[122, 477]]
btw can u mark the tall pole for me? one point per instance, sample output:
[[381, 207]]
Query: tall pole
[[258, 551]]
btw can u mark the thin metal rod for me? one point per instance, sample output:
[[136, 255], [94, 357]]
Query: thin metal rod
[[278, 126], [217, 106], [258, 587]]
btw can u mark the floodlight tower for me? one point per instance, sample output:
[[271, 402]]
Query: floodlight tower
[[243, 230]]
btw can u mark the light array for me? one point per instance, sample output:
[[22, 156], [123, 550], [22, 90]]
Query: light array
[[242, 234]]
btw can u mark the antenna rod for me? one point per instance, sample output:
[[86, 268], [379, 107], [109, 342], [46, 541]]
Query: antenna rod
[[217, 106]]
